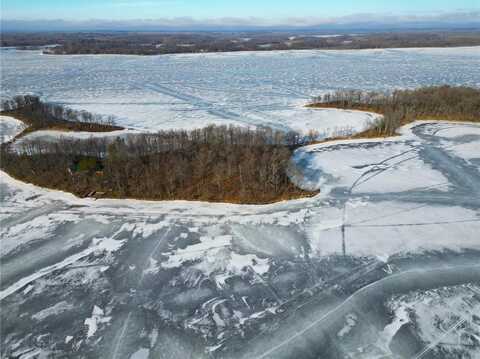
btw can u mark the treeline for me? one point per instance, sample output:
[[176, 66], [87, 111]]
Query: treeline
[[156, 43], [39, 115], [404, 106], [217, 163]]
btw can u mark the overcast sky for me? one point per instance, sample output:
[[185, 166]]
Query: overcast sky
[[193, 13]]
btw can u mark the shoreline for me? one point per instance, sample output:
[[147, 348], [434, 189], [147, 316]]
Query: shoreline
[[403, 131], [372, 49], [298, 194]]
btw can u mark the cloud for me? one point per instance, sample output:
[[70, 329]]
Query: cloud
[[458, 19]]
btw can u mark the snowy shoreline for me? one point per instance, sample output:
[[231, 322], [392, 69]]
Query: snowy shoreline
[[404, 134], [256, 52]]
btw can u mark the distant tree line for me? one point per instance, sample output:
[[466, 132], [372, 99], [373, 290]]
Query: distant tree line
[[403, 106], [157, 43], [216, 163], [39, 115]]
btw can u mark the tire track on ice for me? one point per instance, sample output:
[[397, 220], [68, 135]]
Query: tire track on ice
[[213, 109]]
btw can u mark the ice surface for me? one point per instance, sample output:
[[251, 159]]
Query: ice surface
[[369, 224], [446, 319], [189, 279], [401, 317], [368, 165], [141, 353], [398, 166], [451, 131], [369, 229], [461, 141], [251, 88]]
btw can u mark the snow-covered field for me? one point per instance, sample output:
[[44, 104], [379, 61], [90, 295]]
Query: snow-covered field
[[252, 88]]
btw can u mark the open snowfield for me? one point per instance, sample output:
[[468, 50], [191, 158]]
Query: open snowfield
[[349, 273], [252, 88]]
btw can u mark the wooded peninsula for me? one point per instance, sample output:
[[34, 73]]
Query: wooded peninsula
[[215, 163]]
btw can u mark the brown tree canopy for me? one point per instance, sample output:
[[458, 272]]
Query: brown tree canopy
[[403, 106], [216, 163]]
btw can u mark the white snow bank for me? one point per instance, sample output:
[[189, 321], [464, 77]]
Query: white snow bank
[[38, 228], [214, 255], [100, 245], [53, 310], [9, 128], [52, 136], [55, 135], [325, 122], [98, 317]]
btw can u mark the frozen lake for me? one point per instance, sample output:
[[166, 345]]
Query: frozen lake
[[252, 88], [384, 262]]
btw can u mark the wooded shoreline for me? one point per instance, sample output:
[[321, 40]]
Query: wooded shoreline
[[405, 106], [214, 164]]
